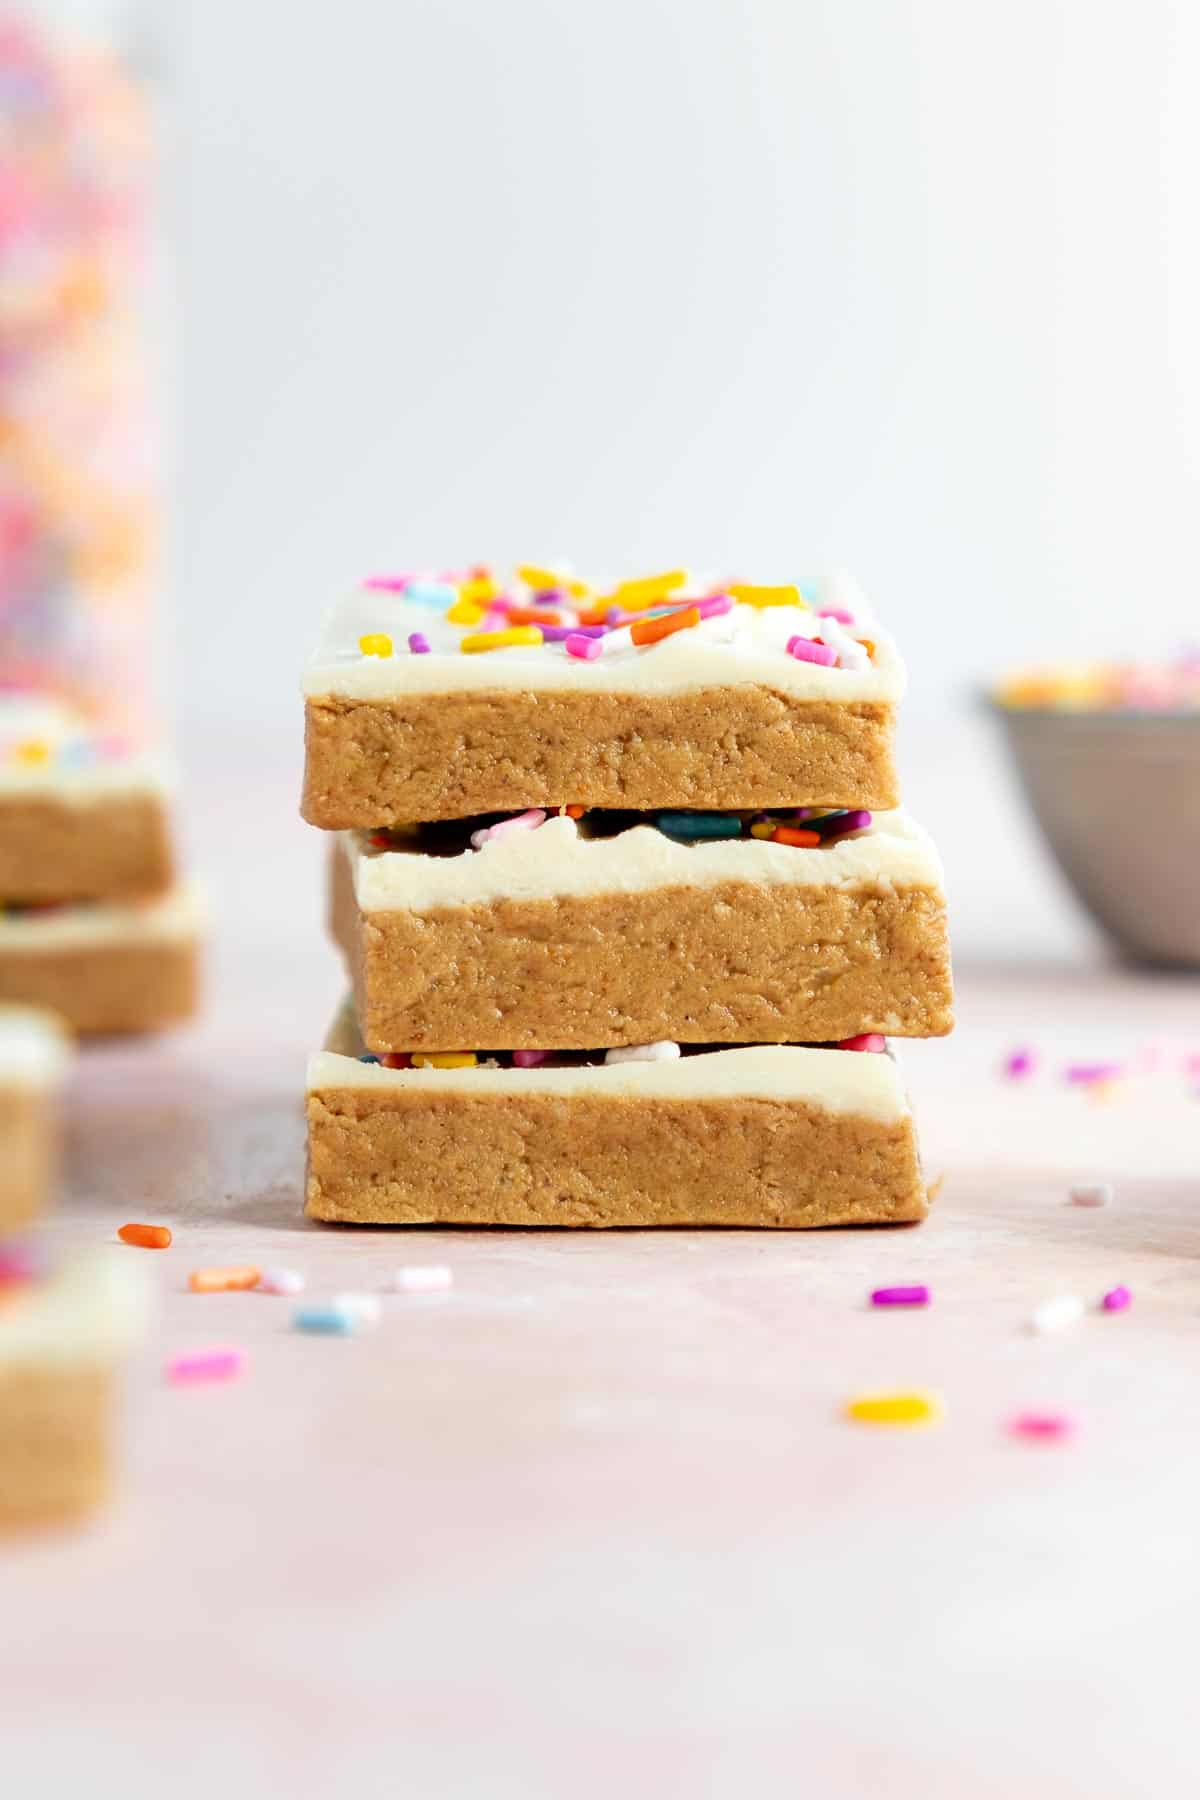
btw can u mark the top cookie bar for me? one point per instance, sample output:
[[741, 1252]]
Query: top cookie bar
[[437, 698]]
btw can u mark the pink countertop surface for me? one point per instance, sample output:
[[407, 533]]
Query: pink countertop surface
[[593, 1520]]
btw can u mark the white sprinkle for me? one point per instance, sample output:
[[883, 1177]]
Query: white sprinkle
[[363, 1309], [281, 1281], [1099, 1193], [1054, 1315], [420, 1278], [666, 1051]]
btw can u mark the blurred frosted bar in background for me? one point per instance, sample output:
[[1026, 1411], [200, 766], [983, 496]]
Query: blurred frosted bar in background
[[79, 504]]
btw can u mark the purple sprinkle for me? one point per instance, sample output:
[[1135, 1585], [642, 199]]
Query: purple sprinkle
[[418, 643], [1019, 1063], [1116, 1299], [900, 1296], [529, 1059], [848, 822], [558, 634], [1083, 1074]]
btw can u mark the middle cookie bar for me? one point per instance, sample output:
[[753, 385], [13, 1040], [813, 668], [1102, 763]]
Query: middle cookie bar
[[609, 931]]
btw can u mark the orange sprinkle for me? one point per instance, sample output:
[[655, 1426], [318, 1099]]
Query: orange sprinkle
[[223, 1281], [532, 615], [595, 615], [868, 645], [648, 631], [146, 1237], [800, 840], [575, 812]]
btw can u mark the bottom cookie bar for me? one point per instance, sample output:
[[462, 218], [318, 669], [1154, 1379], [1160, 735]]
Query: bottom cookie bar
[[777, 1136], [61, 1342], [105, 967], [33, 1059]]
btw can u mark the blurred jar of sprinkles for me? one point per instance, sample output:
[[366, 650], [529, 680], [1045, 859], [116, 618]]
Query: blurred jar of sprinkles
[[78, 474]]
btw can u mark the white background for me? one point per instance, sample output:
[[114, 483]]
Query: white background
[[907, 285]]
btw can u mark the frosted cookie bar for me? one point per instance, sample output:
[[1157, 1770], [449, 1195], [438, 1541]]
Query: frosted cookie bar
[[109, 966], [769, 1136], [437, 699], [82, 816], [618, 928], [62, 1341], [34, 1057]]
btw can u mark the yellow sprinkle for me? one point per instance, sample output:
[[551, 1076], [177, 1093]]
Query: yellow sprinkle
[[466, 612], [634, 596], [761, 830], [578, 590], [447, 1059], [539, 579], [32, 751], [500, 640], [749, 595], [477, 590], [376, 643], [895, 1409]]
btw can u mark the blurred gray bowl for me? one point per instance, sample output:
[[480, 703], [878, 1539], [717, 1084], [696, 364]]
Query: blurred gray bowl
[[1117, 796]]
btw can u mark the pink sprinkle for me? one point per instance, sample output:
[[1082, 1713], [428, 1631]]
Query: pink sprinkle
[[1019, 1063], [1116, 1300], [206, 1365], [529, 1059], [808, 650], [900, 1296], [1083, 1074], [418, 643], [867, 1040], [714, 607], [836, 612], [526, 821], [388, 584], [1047, 1428], [18, 1263], [586, 648], [493, 619]]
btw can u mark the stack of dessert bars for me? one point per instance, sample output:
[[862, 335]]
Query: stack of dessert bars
[[93, 924], [627, 902]]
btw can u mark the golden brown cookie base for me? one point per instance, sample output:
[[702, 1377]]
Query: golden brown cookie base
[[732, 963], [445, 756], [28, 1155], [113, 847], [422, 1158], [106, 987], [55, 1425]]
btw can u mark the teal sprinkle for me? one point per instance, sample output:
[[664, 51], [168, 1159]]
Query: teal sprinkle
[[327, 1320], [688, 827], [431, 593]]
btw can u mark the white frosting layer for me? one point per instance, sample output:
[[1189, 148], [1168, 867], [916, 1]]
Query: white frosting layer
[[174, 918], [555, 859], [862, 1083], [94, 1309], [745, 646], [75, 770], [35, 1049]]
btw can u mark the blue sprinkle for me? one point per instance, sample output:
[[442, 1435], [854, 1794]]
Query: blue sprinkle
[[373, 1059], [431, 593], [687, 826], [327, 1320]]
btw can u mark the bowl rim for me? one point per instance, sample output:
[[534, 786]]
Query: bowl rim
[[1078, 715]]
